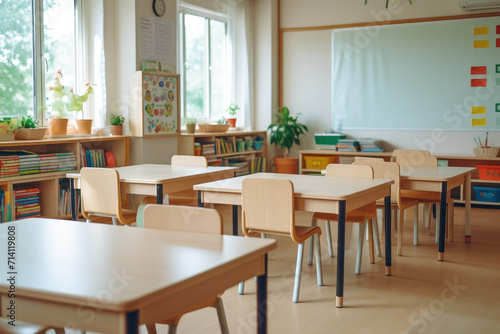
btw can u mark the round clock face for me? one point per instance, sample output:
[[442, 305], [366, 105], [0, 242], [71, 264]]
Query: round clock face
[[159, 7]]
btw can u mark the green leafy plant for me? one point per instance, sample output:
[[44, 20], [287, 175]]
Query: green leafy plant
[[232, 109], [28, 123], [286, 131], [189, 120], [117, 119], [221, 120]]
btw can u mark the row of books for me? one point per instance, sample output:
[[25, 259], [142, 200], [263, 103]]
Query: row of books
[[348, 145], [370, 145], [93, 158], [5, 207], [65, 198], [224, 146], [27, 202], [207, 148], [14, 163], [246, 164]]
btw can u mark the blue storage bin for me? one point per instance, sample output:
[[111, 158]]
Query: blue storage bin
[[485, 194]]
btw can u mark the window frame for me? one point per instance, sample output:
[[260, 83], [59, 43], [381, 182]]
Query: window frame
[[185, 8]]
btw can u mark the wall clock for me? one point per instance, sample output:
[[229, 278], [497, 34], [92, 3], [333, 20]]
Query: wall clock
[[159, 7]]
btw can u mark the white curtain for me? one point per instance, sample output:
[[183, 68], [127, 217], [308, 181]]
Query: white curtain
[[240, 76], [91, 59]]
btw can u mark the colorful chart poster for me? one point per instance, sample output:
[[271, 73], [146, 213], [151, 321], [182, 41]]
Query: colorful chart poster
[[478, 110], [481, 44], [478, 70], [478, 83], [478, 122], [481, 31], [160, 94]]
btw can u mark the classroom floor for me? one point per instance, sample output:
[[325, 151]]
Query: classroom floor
[[460, 295]]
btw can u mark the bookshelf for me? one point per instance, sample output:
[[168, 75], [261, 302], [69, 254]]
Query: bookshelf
[[228, 149], [50, 183]]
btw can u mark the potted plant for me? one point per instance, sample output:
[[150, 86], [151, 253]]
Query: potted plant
[[190, 123], [116, 127], [58, 124], [29, 129], [284, 134], [75, 103], [232, 110]]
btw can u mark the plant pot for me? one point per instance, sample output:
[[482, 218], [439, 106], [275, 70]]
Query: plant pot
[[231, 121], [190, 128], [83, 125], [58, 126], [286, 165], [116, 130]]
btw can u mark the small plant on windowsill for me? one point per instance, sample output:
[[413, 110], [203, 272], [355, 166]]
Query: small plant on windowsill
[[190, 123], [232, 111], [29, 129], [116, 127]]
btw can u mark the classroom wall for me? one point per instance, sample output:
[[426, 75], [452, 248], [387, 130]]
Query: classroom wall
[[307, 68]]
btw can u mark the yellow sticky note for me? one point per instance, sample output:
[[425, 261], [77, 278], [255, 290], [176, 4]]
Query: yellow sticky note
[[477, 110], [481, 31], [481, 44], [478, 122]]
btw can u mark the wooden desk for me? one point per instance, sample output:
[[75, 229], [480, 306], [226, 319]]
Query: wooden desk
[[441, 179], [110, 279], [316, 194], [158, 180]]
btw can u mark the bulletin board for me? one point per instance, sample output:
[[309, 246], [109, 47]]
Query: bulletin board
[[156, 101], [422, 76]]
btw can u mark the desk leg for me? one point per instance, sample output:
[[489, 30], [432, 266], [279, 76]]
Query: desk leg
[[235, 219], [262, 301], [340, 255], [133, 322], [159, 194], [74, 214], [388, 237], [467, 194], [442, 220], [200, 203]]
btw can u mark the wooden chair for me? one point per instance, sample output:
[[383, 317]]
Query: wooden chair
[[413, 156], [22, 327], [390, 170], [361, 215], [188, 219], [101, 196], [188, 197], [268, 206]]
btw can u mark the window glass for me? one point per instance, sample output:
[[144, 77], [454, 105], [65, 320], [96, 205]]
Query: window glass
[[217, 69], [195, 65]]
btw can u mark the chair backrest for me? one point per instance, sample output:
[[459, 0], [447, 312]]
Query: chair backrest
[[421, 161], [386, 170], [189, 160], [358, 159], [268, 205], [344, 170], [413, 156], [100, 190], [182, 218]]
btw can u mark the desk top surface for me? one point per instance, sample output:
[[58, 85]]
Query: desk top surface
[[434, 173], [74, 262]]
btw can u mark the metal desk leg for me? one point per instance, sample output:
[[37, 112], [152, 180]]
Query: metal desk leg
[[235, 219], [467, 190], [74, 214], [442, 220], [262, 301], [340, 254], [159, 194], [133, 322], [388, 238], [200, 203]]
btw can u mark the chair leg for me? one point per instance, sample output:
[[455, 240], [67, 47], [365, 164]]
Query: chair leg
[[376, 237], [427, 220], [115, 221], [400, 232], [219, 306], [329, 237], [314, 222], [298, 273], [319, 269], [241, 288], [151, 328], [361, 241], [172, 329], [370, 240], [415, 225]]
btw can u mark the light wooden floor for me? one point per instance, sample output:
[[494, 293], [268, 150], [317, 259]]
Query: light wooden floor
[[460, 295]]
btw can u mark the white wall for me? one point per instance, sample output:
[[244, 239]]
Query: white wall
[[307, 89]]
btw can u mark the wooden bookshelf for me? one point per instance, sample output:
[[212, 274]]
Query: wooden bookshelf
[[49, 182]]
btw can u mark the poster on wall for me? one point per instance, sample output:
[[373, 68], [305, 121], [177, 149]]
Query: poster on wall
[[160, 101]]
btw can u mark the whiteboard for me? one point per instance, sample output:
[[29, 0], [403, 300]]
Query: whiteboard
[[417, 76]]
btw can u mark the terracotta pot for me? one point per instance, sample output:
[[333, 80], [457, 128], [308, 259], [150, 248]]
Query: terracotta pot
[[116, 130], [83, 125], [190, 128], [286, 165], [58, 126], [231, 121]]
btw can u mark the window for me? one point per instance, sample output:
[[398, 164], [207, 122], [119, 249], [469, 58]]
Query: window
[[37, 37], [203, 63]]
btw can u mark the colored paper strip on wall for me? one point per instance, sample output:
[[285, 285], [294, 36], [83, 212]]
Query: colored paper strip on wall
[[478, 70], [498, 30], [481, 31], [497, 68], [497, 107], [482, 44], [478, 83], [498, 121], [497, 81], [498, 42], [478, 121], [477, 110]]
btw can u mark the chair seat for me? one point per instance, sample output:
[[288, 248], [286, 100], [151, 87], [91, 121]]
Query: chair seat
[[129, 216], [422, 196], [355, 216], [302, 232]]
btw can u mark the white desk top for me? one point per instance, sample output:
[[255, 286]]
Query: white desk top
[[440, 173], [72, 262]]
